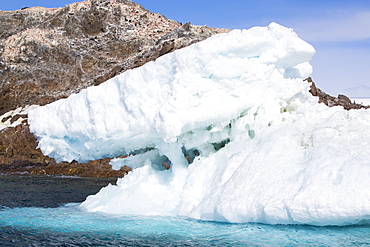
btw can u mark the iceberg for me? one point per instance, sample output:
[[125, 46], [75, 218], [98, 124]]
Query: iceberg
[[223, 130]]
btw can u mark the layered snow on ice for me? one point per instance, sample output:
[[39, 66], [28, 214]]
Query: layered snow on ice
[[222, 130]]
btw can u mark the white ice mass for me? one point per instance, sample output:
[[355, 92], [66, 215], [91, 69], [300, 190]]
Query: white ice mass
[[268, 152]]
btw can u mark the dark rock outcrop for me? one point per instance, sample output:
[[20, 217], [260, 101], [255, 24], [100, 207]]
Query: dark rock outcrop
[[19, 154], [340, 100], [49, 54]]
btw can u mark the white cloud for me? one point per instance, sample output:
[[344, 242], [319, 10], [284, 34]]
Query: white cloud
[[341, 27]]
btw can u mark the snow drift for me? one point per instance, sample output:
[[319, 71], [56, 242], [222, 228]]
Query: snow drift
[[223, 130]]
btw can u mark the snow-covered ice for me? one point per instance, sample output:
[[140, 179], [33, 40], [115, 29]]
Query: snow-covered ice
[[260, 147]]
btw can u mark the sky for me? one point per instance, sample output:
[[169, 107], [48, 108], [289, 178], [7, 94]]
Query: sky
[[339, 30]]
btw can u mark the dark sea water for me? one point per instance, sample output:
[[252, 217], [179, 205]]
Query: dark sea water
[[44, 211], [47, 191]]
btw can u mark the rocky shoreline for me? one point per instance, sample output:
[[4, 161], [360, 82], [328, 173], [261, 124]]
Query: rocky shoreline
[[97, 168], [21, 156]]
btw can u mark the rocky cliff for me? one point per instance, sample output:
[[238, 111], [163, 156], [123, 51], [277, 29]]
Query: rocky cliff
[[49, 54]]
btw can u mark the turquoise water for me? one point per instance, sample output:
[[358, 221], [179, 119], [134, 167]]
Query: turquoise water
[[67, 225]]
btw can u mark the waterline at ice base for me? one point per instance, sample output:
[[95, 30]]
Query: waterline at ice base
[[224, 130]]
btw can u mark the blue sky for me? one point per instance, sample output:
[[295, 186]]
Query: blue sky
[[339, 30]]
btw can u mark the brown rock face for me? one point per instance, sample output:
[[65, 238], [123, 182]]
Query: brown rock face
[[331, 101], [49, 54], [19, 154]]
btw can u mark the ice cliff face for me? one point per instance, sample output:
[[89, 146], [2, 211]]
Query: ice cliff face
[[222, 130]]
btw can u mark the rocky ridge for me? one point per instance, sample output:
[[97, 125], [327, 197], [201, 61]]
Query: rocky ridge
[[49, 54]]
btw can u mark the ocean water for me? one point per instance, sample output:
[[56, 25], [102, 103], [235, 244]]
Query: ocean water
[[43, 211]]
